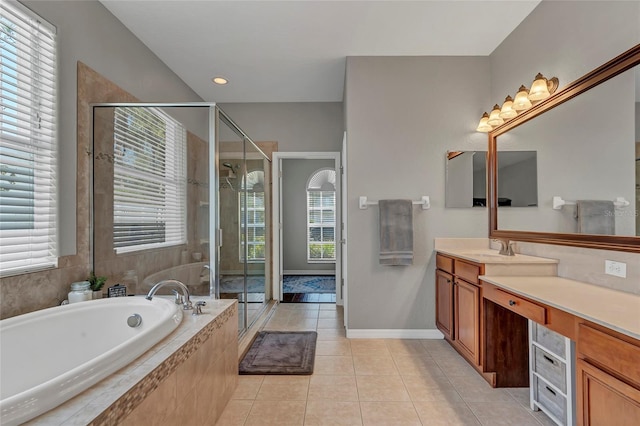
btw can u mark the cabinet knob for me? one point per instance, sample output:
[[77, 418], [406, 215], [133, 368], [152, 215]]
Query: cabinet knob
[[512, 303]]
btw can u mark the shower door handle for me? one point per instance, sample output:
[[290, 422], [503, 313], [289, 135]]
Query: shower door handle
[[219, 237]]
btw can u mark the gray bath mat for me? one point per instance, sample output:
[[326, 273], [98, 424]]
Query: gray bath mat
[[281, 352]]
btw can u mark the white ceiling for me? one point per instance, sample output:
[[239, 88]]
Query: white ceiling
[[294, 51]]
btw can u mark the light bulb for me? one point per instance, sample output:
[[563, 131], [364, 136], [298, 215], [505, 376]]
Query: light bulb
[[494, 117], [539, 89], [507, 112], [483, 126], [522, 102]]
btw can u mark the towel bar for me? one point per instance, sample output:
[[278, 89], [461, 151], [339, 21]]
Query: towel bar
[[558, 202], [424, 202]]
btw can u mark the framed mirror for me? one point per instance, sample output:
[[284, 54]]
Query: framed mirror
[[586, 136]]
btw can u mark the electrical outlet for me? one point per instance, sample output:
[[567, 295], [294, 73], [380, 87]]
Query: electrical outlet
[[617, 269]]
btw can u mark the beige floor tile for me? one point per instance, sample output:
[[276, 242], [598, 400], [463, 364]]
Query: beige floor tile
[[454, 365], [417, 365], [435, 413], [248, 387], [330, 307], [300, 306], [235, 413], [543, 418], [303, 324], [369, 347], [331, 334], [373, 365], [333, 388], [406, 347], [503, 413], [520, 395], [473, 388], [336, 323], [326, 314], [389, 413], [332, 413], [284, 388], [304, 314], [277, 413], [424, 388], [381, 388], [333, 347], [333, 365]]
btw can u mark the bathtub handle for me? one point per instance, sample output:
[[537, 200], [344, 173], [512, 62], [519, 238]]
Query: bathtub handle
[[134, 320], [197, 308]]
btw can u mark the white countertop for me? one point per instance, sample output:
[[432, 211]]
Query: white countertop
[[613, 309], [488, 256]]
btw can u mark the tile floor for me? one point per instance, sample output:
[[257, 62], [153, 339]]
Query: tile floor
[[373, 382]]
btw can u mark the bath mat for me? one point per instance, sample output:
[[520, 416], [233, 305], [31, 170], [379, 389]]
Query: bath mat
[[281, 352], [309, 284]]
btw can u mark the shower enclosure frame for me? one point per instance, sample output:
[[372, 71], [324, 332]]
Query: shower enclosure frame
[[215, 115]]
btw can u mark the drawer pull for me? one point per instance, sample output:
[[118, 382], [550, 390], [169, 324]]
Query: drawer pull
[[551, 360], [551, 390], [512, 303], [448, 281]]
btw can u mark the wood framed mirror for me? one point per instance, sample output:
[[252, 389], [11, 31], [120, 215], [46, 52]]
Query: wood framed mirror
[[565, 160]]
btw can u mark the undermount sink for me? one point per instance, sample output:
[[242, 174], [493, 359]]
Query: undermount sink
[[485, 255]]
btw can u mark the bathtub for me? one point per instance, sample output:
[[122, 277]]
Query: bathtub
[[49, 356]]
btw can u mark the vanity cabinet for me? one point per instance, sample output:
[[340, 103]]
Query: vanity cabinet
[[458, 296]]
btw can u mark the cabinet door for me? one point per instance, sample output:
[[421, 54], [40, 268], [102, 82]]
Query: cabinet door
[[467, 319], [604, 400], [444, 303]]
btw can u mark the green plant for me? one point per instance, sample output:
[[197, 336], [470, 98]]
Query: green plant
[[96, 283]]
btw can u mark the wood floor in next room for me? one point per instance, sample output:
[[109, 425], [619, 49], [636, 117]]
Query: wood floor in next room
[[373, 382]]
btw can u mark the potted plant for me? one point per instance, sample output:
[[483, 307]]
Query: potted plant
[[95, 284]]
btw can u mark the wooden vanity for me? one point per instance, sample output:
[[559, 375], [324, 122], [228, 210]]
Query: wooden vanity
[[485, 318]]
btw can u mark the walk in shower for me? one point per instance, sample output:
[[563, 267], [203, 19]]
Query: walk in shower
[[180, 192]]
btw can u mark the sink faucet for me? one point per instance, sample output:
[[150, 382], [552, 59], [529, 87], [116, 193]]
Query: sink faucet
[[506, 249], [186, 305]]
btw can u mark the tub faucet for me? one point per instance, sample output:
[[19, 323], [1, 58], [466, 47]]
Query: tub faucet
[[186, 304], [506, 248]]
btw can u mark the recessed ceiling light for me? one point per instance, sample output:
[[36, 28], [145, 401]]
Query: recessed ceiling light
[[220, 80]]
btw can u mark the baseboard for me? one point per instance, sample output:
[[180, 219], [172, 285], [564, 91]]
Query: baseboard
[[309, 272], [394, 334]]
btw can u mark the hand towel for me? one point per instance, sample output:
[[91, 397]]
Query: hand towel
[[396, 232], [596, 217]]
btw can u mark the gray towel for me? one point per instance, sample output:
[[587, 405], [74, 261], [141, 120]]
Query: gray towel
[[396, 232], [596, 217]]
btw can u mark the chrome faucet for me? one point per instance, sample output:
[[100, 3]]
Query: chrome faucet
[[186, 304], [506, 248]]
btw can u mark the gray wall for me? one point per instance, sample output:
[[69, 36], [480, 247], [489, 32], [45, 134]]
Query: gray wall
[[460, 180], [304, 126], [398, 132], [518, 182], [89, 33], [295, 174]]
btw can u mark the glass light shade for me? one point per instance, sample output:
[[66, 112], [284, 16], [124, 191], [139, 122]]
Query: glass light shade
[[539, 89], [494, 117], [484, 126], [522, 102], [507, 112]]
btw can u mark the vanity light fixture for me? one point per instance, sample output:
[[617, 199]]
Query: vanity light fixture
[[542, 88], [507, 112], [220, 80], [484, 126], [522, 102], [494, 117]]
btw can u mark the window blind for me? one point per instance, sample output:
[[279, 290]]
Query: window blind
[[321, 222], [149, 183], [28, 141]]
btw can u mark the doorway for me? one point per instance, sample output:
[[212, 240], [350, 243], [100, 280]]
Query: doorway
[[307, 227]]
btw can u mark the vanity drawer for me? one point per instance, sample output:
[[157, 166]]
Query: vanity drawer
[[518, 305], [444, 263], [610, 352], [467, 271], [551, 368], [550, 340], [549, 399]]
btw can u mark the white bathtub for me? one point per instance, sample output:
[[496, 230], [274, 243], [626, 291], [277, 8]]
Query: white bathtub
[[49, 356]]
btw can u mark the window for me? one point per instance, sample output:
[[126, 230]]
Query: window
[[149, 180], [28, 141], [321, 216], [253, 192]]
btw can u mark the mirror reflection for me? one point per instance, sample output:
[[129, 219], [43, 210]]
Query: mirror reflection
[[587, 156], [466, 179]]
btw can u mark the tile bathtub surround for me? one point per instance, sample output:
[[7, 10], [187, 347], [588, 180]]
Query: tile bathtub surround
[[201, 354], [373, 382]]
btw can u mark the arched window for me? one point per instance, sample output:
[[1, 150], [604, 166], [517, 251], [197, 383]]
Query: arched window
[[321, 216], [253, 193]]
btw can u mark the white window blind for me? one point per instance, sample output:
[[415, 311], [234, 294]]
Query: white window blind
[[149, 183], [28, 141], [321, 216], [253, 216]]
